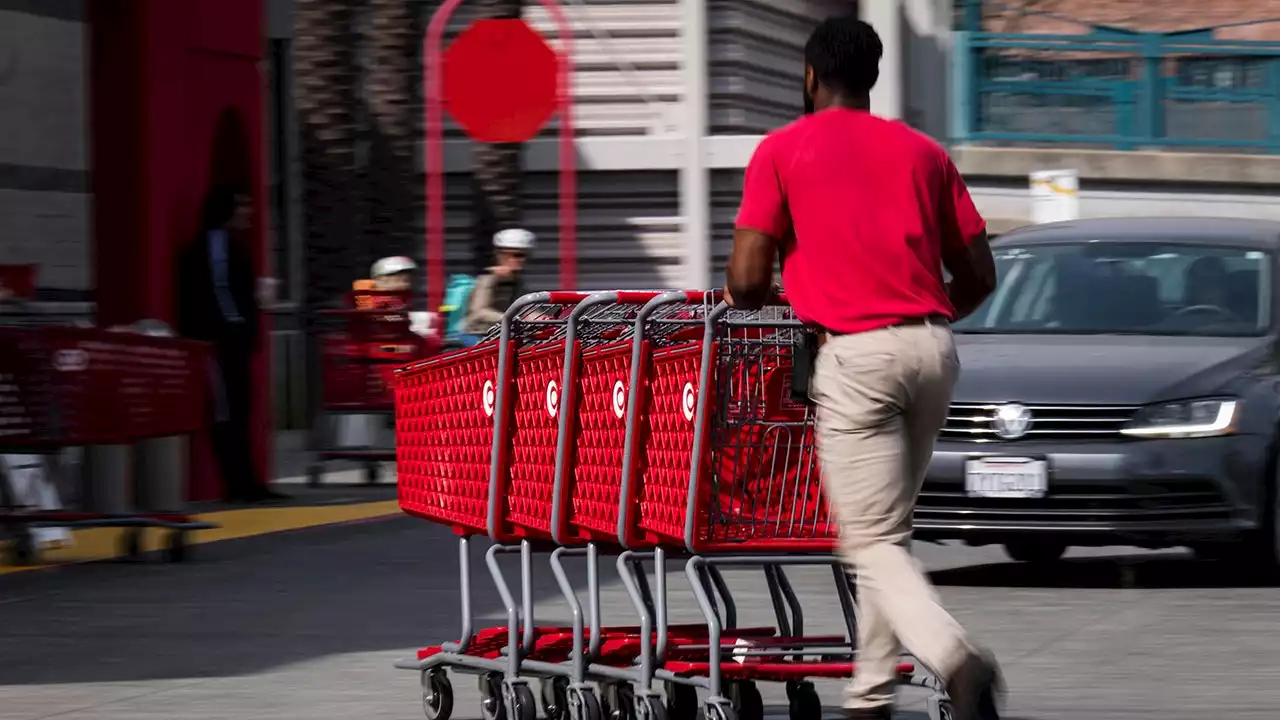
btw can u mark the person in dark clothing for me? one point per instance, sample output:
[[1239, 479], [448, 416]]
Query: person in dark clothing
[[217, 303]]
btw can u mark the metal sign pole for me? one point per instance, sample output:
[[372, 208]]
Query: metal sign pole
[[434, 149]]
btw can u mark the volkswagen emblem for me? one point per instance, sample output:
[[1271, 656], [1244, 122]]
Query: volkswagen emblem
[[1011, 421]]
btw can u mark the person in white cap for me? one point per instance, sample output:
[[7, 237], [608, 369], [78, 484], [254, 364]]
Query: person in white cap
[[499, 287], [393, 274]]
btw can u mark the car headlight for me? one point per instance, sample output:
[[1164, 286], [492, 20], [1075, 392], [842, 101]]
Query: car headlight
[[1187, 419]]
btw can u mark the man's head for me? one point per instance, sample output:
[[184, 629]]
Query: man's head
[[841, 64], [227, 208], [393, 274], [511, 261], [1207, 282], [512, 248]]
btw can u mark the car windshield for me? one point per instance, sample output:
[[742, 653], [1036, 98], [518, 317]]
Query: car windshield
[[1139, 288]]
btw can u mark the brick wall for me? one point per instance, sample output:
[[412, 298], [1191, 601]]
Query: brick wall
[[1067, 16]]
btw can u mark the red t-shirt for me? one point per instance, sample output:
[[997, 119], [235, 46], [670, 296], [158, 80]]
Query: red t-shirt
[[864, 207]]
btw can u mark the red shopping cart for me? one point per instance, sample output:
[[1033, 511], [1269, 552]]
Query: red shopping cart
[[676, 434], [73, 387], [360, 348]]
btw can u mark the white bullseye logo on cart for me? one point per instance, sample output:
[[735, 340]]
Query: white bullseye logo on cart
[[688, 401], [619, 399], [489, 397], [553, 398]]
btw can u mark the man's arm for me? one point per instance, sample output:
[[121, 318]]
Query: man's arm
[[749, 280], [973, 275], [763, 220], [966, 250], [480, 314]]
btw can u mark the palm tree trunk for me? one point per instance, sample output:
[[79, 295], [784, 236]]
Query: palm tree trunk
[[324, 63], [497, 170], [393, 196]]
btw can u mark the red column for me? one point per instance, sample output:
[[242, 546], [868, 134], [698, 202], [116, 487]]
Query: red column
[[176, 104]]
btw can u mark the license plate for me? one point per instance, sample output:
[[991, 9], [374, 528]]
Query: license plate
[[1006, 478]]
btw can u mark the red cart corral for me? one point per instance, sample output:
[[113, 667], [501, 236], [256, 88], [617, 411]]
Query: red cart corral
[[360, 348], [66, 387]]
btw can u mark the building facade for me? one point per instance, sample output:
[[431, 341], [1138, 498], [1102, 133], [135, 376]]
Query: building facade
[[44, 145], [1168, 107]]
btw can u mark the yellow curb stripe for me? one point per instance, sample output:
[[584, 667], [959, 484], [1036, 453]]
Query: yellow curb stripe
[[95, 544]]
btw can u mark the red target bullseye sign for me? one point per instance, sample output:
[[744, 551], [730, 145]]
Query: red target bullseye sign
[[500, 81]]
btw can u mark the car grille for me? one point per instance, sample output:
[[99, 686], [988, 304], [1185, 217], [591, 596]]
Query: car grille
[[1151, 500], [974, 422]]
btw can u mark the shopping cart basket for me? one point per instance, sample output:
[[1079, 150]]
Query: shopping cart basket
[[360, 348], [497, 412], [753, 498], [72, 387]]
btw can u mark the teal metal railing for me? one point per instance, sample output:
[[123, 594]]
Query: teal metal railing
[[1116, 88]]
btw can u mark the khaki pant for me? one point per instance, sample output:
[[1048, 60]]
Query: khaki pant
[[882, 396]]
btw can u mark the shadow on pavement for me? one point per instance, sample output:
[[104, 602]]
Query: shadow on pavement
[[243, 606], [1125, 571]]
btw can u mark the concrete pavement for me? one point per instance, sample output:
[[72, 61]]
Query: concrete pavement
[[306, 625]]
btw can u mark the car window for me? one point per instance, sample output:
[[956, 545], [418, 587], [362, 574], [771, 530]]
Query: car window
[[1128, 287]]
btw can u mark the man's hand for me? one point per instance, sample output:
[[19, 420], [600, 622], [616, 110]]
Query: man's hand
[[267, 291], [973, 273], [749, 279]]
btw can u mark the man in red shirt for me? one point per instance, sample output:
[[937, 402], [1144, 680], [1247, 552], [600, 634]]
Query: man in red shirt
[[865, 213]]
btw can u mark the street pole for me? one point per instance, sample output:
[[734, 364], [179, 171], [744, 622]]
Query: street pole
[[695, 177]]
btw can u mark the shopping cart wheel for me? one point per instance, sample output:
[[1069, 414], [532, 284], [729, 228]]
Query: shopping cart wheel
[[372, 473], [682, 702], [939, 708], [584, 705], [619, 701], [746, 699], [437, 695], [803, 701], [492, 706], [650, 707], [315, 474], [555, 698], [719, 711], [176, 551], [522, 704], [131, 544]]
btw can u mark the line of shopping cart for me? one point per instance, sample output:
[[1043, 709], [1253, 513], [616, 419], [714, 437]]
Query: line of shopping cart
[[646, 425], [64, 386]]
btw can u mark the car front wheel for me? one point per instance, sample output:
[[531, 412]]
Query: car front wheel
[[1258, 553]]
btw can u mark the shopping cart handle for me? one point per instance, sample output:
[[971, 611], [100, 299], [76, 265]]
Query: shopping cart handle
[[565, 297], [776, 299], [636, 297]]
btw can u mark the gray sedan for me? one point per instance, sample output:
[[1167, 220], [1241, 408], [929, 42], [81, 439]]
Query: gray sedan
[[1121, 386]]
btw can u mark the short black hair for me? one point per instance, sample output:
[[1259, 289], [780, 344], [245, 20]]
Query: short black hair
[[845, 53], [220, 205]]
